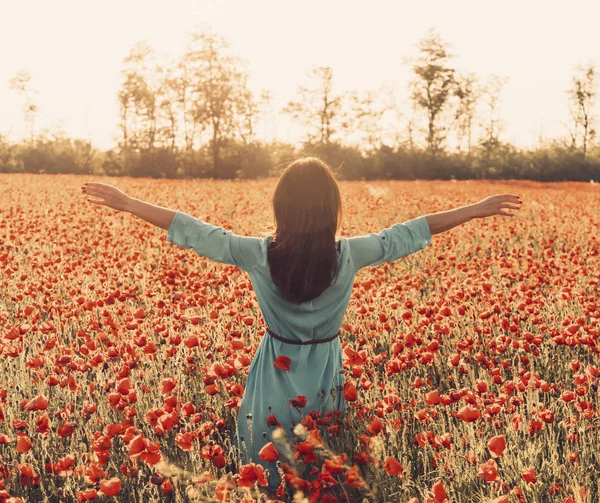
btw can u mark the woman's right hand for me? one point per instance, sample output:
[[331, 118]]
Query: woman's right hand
[[109, 196], [499, 204]]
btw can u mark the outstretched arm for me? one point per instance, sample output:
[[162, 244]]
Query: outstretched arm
[[184, 230], [494, 205], [117, 199], [405, 238]]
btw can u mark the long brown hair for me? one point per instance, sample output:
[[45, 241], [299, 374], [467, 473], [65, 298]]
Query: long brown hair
[[308, 209]]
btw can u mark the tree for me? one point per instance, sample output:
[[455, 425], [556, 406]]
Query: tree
[[168, 104], [362, 118], [21, 83], [318, 107], [181, 86], [492, 124], [582, 96], [248, 110], [217, 86], [400, 127], [432, 86], [267, 114], [7, 151], [468, 92], [138, 99]]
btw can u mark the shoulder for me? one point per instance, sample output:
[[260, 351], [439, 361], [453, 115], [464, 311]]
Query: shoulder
[[261, 245]]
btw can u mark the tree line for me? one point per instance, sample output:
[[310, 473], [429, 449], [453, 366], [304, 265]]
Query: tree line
[[195, 116]]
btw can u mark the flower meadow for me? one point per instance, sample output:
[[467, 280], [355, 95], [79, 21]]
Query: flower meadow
[[471, 368]]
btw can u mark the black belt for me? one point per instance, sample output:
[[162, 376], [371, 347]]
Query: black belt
[[303, 343]]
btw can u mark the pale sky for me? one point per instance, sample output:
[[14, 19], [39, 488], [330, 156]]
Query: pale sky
[[73, 50]]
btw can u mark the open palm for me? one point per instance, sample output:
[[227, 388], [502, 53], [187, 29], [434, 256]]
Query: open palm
[[107, 195], [500, 204]]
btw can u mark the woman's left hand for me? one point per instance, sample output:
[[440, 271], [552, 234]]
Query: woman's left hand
[[109, 196], [499, 204]]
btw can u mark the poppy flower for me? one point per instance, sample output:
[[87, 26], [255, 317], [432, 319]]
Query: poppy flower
[[282, 362], [298, 402], [469, 413], [350, 394], [268, 453], [192, 341], [529, 475], [152, 454], [352, 478], [432, 398], [167, 385], [38, 403], [42, 423], [86, 495], [375, 426], [166, 487], [496, 445], [335, 464], [439, 493], [66, 430], [304, 450], [393, 467], [23, 443], [272, 421], [110, 487], [250, 474], [27, 474], [184, 440], [488, 471]]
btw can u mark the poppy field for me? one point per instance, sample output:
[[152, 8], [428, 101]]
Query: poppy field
[[471, 368]]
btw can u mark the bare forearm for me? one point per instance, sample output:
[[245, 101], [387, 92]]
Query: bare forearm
[[156, 215], [446, 220], [500, 204]]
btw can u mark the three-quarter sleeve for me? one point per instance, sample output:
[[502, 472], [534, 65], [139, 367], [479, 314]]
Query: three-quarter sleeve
[[390, 244], [214, 242]]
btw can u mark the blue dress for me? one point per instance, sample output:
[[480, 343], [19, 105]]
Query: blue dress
[[313, 367]]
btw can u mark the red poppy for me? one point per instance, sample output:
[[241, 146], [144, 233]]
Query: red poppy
[[184, 440], [393, 467], [488, 471], [469, 413], [152, 454], [529, 475], [23, 443], [350, 394], [299, 401], [439, 493], [496, 445], [38, 403], [250, 474], [282, 362], [110, 487], [167, 385], [272, 421], [335, 464], [352, 478], [432, 398], [304, 450], [86, 495], [268, 453], [28, 475], [66, 430], [375, 426]]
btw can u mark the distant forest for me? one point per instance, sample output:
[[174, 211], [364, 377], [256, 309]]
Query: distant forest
[[196, 117]]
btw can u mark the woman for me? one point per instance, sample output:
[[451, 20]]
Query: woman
[[302, 278]]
